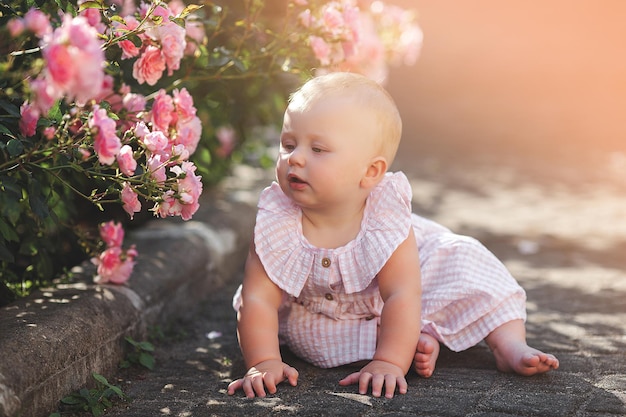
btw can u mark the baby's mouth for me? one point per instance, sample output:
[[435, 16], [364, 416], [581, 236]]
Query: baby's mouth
[[294, 179]]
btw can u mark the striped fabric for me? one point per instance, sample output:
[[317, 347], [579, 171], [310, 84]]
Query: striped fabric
[[332, 304]]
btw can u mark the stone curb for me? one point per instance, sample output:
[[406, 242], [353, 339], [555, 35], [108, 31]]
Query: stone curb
[[52, 341]]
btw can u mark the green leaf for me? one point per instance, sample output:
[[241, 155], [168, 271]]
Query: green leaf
[[10, 185], [190, 9], [10, 206], [101, 379], [218, 61], [36, 199], [136, 40], [118, 19], [117, 391], [147, 360], [5, 130], [72, 400], [15, 147], [55, 112], [131, 341], [147, 346], [97, 410], [10, 108], [71, 9], [91, 4], [178, 20], [8, 232]]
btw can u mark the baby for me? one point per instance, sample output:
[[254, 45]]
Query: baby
[[341, 271]]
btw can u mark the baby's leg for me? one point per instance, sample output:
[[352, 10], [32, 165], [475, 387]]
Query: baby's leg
[[508, 344], [426, 355]]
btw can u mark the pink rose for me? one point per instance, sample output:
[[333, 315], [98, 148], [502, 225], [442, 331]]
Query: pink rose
[[141, 130], [60, 66], [162, 113], [332, 19], [352, 19], [179, 153], [28, 120], [188, 134], [156, 142], [74, 61], [129, 50], [184, 104], [107, 85], [189, 188], [115, 265], [173, 43], [195, 31], [84, 153], [79, 33], [168, 206], [130, 201], [156, 167], [369, 59], [16, 27], [94, 18], [42, 98], [37, 22], [107, 94], [126, 161], [321, 49], [176, 6], [112, 233], [306, 18], [49, 132], [143, 9], [162, 11], [227, 137], [134, 103], [106, 143], [183, 202], [150, 66]]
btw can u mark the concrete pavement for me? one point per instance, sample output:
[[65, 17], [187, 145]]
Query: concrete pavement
[[187, 273]]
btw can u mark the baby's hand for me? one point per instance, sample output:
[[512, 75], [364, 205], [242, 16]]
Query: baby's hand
[[378, 373], [266, 374]]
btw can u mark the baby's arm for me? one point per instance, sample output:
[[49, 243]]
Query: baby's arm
[[400, 288], [257, 330]]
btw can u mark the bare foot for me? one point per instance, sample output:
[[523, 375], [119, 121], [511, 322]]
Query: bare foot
[[426, 355], [512, 354], [524, 360]]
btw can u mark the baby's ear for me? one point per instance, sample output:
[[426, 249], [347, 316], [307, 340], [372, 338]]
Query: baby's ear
[[375, 172]]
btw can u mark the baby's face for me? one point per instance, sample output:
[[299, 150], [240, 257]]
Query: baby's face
[[325, 150]]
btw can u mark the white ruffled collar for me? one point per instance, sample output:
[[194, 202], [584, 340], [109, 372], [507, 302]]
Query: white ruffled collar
[[288, 257]]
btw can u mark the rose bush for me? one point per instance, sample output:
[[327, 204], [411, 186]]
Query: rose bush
[[139, 106]]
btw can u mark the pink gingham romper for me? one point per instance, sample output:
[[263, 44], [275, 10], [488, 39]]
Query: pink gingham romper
[[332, 304]]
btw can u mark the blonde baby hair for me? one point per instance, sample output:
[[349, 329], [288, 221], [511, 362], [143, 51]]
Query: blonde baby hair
[[365, 93]]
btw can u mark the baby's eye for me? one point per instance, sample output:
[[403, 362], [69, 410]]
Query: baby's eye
[[316, 150], [288, 146]]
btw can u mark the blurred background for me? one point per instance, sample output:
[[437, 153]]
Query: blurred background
[[539, 86]]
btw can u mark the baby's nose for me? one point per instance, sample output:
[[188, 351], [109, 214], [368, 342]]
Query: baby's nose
[[296, 157]]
